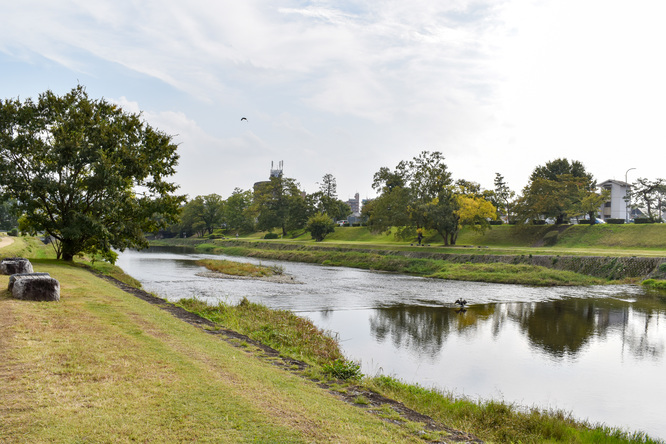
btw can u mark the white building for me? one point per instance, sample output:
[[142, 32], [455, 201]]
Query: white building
[[616, 207]]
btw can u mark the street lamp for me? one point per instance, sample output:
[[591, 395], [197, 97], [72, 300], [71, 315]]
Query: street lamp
[[626, 199]]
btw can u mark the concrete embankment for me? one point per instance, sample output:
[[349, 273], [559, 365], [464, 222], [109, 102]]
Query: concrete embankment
[[607, 267]]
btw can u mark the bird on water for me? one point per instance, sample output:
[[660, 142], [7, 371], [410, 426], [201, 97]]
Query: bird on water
[[462, 302]]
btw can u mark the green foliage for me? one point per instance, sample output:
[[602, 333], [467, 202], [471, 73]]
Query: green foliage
[[319, 226], [615, 221], [291, 335], [271, 236], [74, 166], [560, 189], [643, 220], [278, 203], [343, 369], [237, 213], [655, 283]]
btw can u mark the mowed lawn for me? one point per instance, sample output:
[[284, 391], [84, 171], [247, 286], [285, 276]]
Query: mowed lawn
[[103, 366]]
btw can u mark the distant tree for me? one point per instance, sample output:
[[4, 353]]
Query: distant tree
[[319, 226], [649, 195], [409, 194], [203, 214], [503, 196], [329, 187], [278, 203], [335, 208], [237, 211], [475, 212], [558, 190], [191, 217], [86, 173]]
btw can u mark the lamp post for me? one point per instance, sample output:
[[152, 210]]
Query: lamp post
[[626, 198]]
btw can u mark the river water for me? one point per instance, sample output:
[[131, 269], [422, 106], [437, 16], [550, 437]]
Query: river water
[[597, 352]]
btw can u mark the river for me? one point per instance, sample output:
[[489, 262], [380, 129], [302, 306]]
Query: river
[[597, 352]]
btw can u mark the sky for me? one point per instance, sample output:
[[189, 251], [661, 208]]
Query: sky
[[347, 87]]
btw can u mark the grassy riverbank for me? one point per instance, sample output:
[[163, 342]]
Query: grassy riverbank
[[105, 366]]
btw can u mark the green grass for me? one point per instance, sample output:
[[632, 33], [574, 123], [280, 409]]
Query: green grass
[[294, 336], [657, 284], [238, 268], [104, 366]]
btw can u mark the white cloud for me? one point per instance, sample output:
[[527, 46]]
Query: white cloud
[[498, 86]]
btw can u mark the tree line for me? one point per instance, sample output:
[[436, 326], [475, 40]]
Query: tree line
[[277, 203], [92, 178]]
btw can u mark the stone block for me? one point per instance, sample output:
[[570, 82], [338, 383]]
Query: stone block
[[16, 276], [36, 288], [14, 265]]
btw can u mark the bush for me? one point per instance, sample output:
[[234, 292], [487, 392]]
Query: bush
[[319, 226], [271, 236], [342, 369], [13, 232], [643, 220], [496, 222], [584, 222], [615, 221], [539, 222]]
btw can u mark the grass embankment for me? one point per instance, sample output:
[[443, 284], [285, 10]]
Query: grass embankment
[[600, 239]]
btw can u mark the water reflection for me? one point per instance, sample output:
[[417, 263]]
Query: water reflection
[[561, 328]]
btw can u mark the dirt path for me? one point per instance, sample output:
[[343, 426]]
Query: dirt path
[[6, 241]]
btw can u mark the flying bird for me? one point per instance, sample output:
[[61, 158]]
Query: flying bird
[[462, 302], [243, 118]]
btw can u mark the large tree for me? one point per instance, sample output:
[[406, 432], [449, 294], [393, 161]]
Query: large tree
[[86, 173], [237, 211], [279, 203], [559, 189]]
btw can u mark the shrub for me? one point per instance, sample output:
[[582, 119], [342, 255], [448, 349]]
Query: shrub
[[539, 222], [584, 222], [319, 226], [13, 232], [615, 221], [643, 220], [271, 236], [496, 222], [342, 369]]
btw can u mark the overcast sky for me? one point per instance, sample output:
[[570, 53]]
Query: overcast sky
[[347, 87]]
